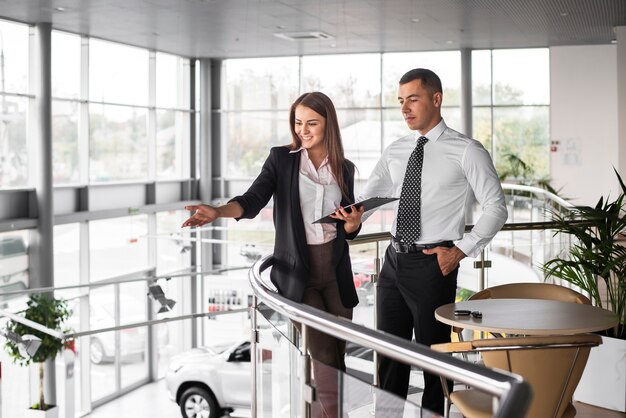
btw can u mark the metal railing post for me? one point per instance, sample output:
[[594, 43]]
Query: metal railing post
[[307, 394], [375, 312], [254, 339]]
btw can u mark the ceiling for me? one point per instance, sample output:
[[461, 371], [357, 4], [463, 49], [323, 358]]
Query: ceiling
[[246, 28]]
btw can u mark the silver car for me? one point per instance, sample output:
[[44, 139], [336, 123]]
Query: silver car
[[208, 382]]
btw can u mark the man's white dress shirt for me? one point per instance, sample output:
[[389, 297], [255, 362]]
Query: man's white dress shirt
[[455, 169]]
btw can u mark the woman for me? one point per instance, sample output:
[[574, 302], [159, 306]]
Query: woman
[[308, 179]]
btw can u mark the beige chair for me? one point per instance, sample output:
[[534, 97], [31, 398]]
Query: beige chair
[[532, 291], [545, 291], [552, 365]]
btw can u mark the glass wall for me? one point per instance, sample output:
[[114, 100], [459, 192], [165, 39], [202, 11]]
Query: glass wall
[[119, 114], [511, 97], [14, 104], [510, 107], [258, 93]]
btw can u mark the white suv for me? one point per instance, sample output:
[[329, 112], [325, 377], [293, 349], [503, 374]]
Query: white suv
[[210, 381]]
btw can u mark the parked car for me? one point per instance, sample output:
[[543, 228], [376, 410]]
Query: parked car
[[365, 292], [210, 381], [13, 264]]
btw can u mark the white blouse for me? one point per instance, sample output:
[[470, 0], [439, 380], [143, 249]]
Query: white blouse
[[319, 196]]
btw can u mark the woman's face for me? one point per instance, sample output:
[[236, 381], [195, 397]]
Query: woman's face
[[310, 127]]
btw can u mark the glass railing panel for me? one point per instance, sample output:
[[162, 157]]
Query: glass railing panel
[[279, 323], [340, 394], [277, 373]]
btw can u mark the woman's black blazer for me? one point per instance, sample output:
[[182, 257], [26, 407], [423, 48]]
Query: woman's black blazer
[[290, 272]]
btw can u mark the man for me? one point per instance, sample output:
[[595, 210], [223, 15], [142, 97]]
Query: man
[[436, 172]]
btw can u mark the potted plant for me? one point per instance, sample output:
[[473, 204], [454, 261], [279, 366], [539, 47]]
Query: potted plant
[[51, 313], [596, 263]]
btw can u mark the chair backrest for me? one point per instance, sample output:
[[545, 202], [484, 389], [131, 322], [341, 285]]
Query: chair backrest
[[552, 365], [532, 291]]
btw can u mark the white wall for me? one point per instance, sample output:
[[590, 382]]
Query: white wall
[[584, 121], [620, 34]]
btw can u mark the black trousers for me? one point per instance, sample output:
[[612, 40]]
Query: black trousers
[[410, 288]]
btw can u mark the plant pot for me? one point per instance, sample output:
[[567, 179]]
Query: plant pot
[[603, 383], [38, 413]]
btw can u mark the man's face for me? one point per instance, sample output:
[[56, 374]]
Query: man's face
[[421, 109]]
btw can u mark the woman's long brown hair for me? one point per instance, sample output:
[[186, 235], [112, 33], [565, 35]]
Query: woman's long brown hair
[[322, 104]]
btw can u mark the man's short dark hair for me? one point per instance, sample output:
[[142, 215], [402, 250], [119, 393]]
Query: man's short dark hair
[[430, 80]]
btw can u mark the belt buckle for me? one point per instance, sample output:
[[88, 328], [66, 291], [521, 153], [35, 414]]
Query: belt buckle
[[401, 247]]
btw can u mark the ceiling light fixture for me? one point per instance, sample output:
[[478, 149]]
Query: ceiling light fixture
[[61, 9], [304, 35], [415, 20], [27, 344]]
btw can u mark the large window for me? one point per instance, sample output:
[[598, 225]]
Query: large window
[[65, 85], [258, 93], [256, 96], [511, 97], [115, 246], [117, 73], [14, 74], [172, 116], [121, 115], [118, 143]]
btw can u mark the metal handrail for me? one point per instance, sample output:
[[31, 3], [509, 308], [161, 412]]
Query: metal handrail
[[538, 191], [513, 393]]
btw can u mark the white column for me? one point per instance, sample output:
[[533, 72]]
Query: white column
[[466, 92], [42, 263], [620, 33]]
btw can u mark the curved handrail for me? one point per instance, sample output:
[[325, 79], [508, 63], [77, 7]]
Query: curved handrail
[[538, 191], [514, 394]]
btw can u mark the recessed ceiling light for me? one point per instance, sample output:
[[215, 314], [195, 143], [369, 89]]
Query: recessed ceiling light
[[415, 20], [563, 14], [60, 9], [304, 35], [449, 42], [333, 45]]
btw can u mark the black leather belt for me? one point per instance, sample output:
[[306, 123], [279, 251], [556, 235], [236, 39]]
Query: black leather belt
[[402, 247]]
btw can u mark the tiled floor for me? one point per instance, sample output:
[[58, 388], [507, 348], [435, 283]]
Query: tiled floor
[[151, 401]]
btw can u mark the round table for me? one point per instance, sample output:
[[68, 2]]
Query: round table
[[528, 316]]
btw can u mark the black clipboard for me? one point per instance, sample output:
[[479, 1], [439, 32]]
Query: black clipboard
[[368, 204]]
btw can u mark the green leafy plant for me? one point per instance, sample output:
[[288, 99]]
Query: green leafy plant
[[51, 313], [598, 254], [515, 168]]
